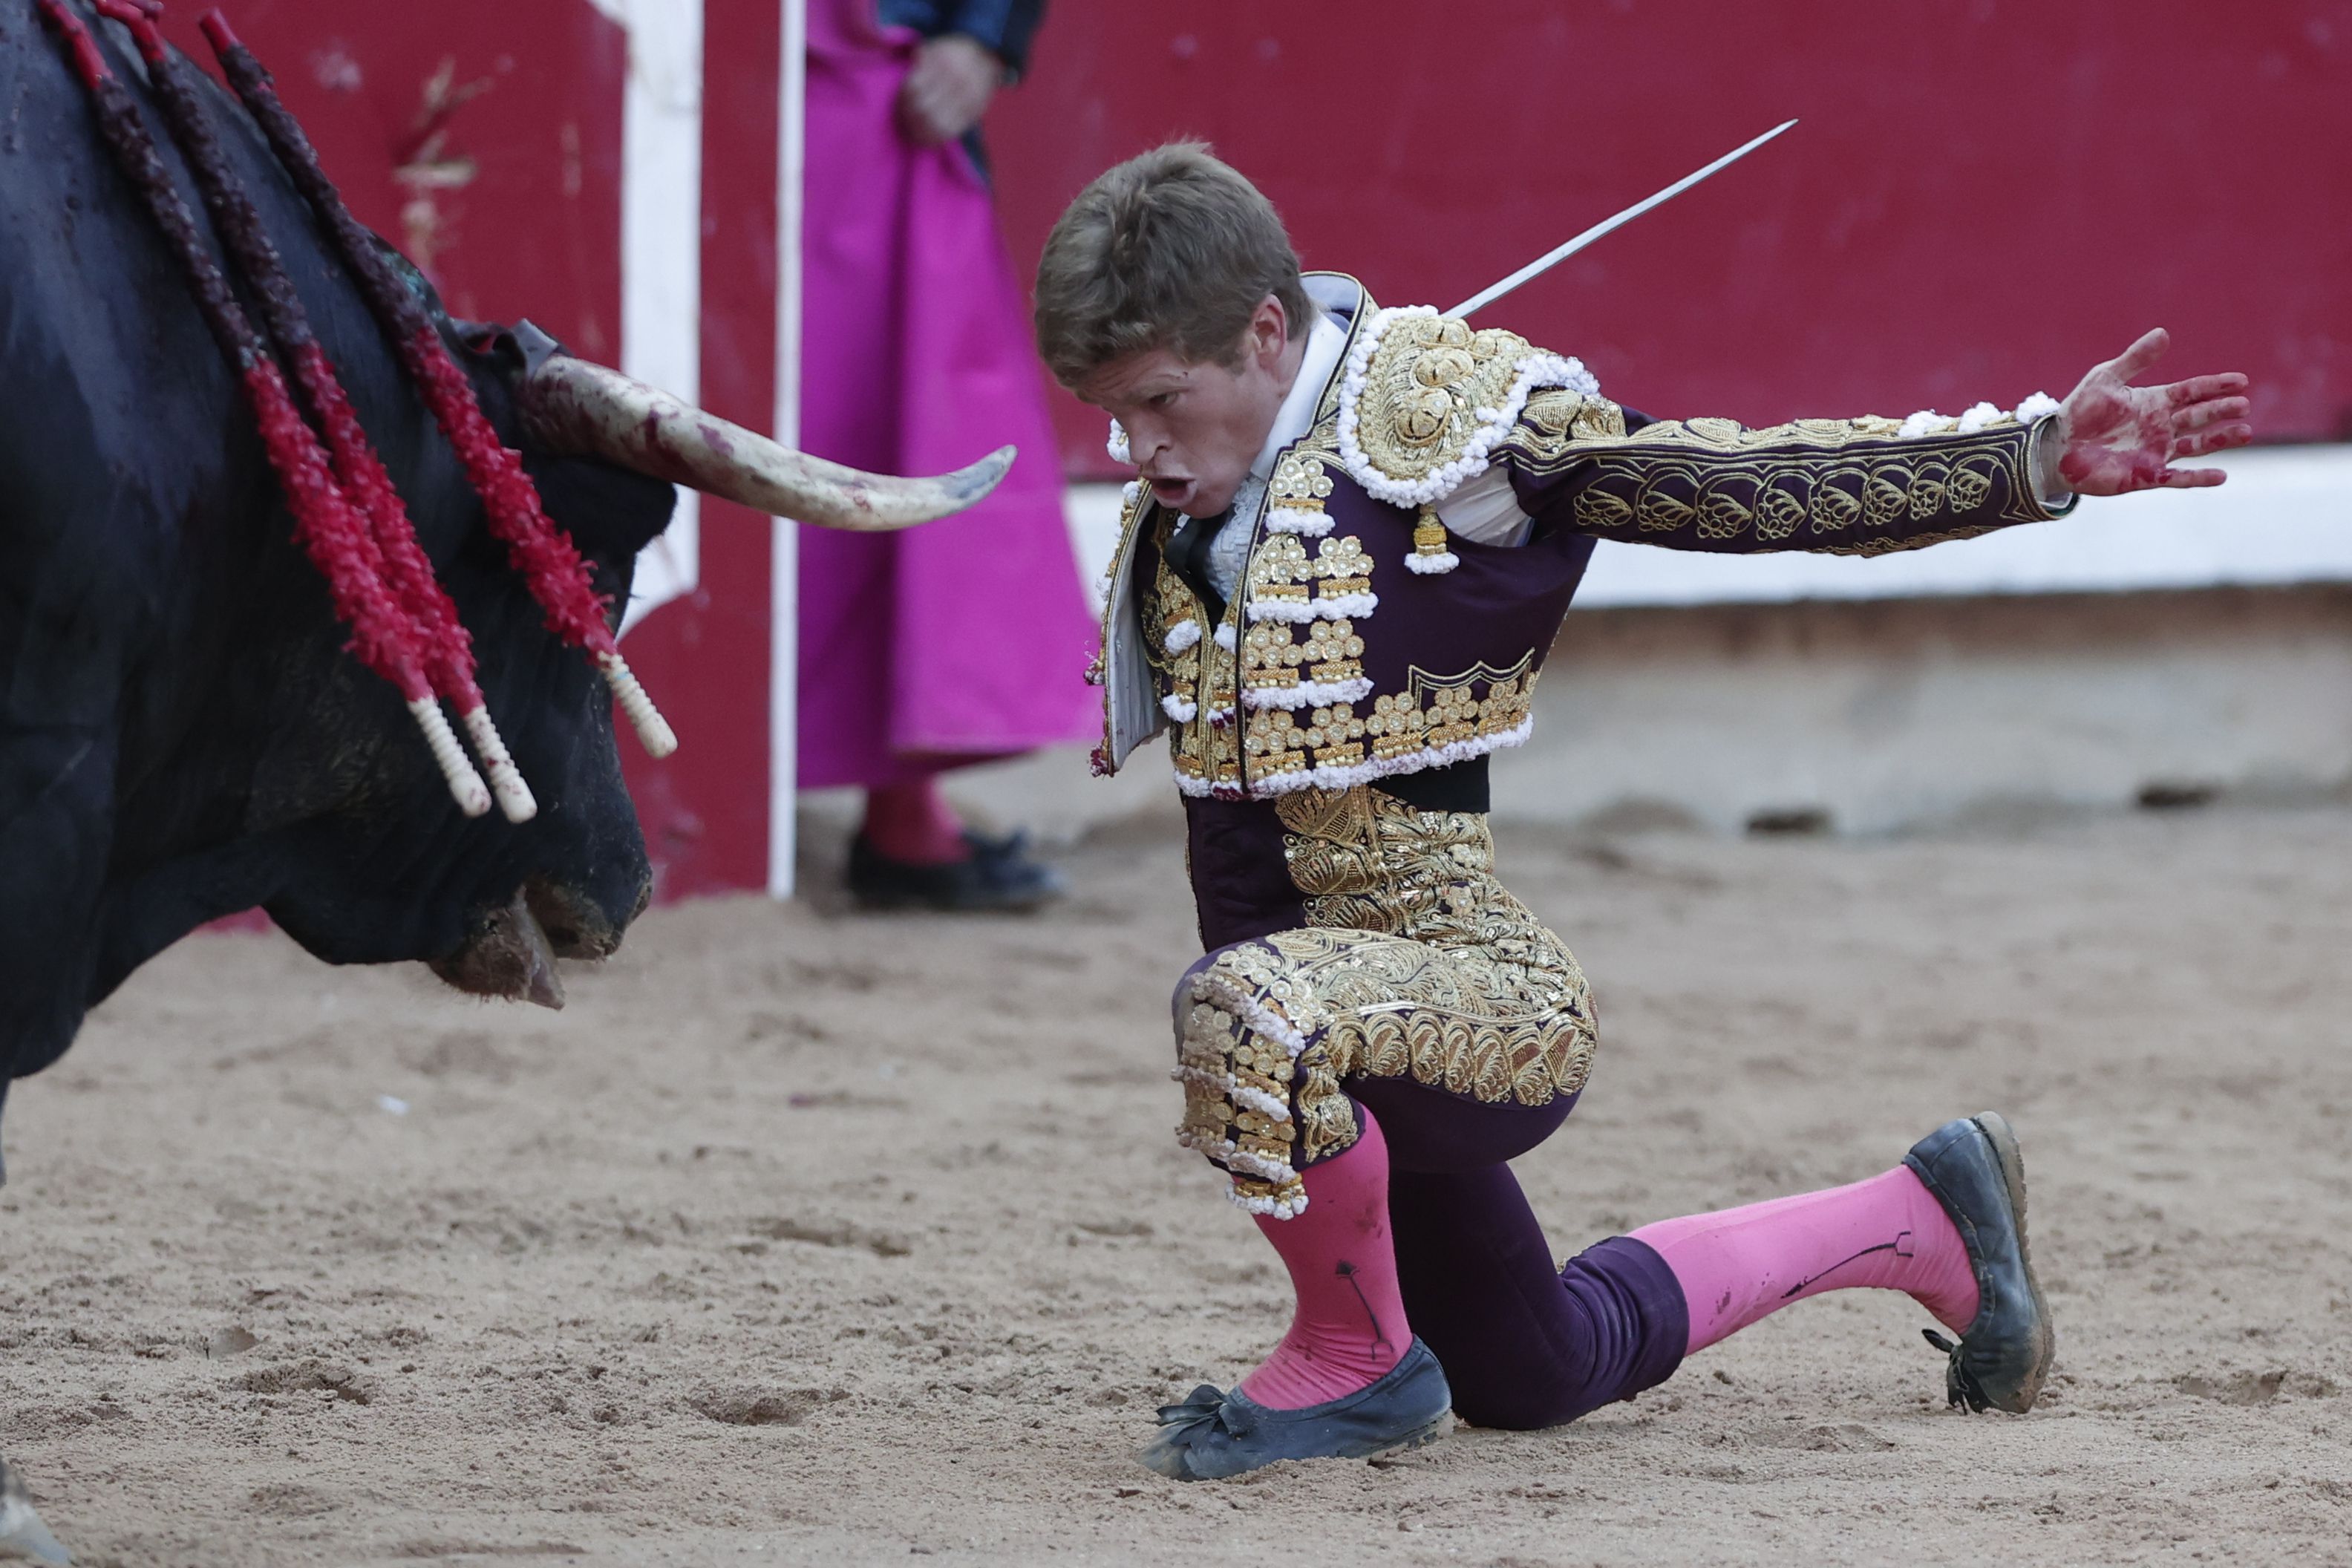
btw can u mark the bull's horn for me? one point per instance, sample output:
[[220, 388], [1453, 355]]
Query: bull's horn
[[573, 406]]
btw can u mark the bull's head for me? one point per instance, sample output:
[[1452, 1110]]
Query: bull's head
[[489, 903], [187, 727]]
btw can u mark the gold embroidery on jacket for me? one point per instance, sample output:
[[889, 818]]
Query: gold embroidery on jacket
[[1202, 743], [1299, 488], [1424, 389], [1414, 962], [1807, 480], [1436, 711]]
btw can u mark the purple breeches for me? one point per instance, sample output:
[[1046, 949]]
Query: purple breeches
[[1524, 1345]]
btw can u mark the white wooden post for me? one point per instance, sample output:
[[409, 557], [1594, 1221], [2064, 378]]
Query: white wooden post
[[785, 577]]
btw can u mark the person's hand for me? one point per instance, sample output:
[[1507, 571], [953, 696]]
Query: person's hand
[[948, 90], [2115, 437]]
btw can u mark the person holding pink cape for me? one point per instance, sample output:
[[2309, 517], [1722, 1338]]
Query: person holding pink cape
[[960, 642]]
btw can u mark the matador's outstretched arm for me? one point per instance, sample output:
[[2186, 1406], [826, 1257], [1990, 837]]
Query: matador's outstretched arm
[[1867, 486]]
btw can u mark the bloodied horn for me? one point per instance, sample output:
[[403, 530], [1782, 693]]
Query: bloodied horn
[[572, 406]]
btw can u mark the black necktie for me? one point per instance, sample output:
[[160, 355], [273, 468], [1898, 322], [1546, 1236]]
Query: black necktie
[[1187, 557]]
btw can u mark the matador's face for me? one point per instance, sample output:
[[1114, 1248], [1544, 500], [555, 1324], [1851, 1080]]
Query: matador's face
[[1195, 427]]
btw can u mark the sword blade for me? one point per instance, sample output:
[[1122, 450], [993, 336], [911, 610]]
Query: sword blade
[[1545, 263]]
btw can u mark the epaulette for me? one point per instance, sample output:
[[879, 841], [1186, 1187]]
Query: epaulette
[[1424, 399]]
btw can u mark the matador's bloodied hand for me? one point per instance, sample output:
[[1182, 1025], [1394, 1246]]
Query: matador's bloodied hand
[[2118, 438]]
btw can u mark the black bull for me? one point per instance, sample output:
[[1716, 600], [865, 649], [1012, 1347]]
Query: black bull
[[182, 735]]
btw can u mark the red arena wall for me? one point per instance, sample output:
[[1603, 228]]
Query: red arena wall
[[484, 141], [1984, 197]]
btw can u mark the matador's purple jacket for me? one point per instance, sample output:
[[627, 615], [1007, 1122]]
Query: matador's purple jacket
[[1273, 692]]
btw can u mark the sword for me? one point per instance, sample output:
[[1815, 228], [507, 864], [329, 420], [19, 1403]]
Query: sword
[[1545, 263]]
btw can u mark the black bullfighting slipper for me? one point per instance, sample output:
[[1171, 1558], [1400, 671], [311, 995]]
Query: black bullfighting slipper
[[1214, 1433], [998, 875], [1974, 1169]]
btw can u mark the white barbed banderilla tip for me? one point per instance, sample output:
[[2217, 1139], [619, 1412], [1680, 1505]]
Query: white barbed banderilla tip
[[652, 731], [465, 786], [515, 800]]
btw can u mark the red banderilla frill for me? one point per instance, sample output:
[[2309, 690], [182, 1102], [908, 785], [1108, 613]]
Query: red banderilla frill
[[333, 535], [398, 560], [549, 563]]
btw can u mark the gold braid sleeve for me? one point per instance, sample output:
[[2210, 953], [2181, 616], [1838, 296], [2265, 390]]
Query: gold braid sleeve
[[1842, 487]]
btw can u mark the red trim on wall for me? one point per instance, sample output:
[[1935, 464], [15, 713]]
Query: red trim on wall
[[705, 656]]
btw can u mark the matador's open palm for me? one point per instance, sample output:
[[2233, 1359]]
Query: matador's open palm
[[2118, 438]]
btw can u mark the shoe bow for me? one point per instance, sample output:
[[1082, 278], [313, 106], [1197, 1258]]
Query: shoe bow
[[1960, 1384], [1207, 1409]]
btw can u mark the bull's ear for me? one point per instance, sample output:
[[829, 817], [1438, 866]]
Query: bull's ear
[[496, 357], [610, 512]]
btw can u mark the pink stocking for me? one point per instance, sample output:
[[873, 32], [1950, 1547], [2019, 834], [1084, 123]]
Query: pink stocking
[[1349, 1327], [913, 823], [1738, 1266]]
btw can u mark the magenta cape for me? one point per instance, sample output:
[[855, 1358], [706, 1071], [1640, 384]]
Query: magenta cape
[[968, 638]]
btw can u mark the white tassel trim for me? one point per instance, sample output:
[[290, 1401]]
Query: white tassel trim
[[1233, 1088], [1348, 776], [1288, 1205], [1181, 708], [1983, 416], [1337, 608], [1335, 777], [1181, 636], [1314, 522], [1431, 565], [1233, 1157], [1270, 1207], [1308, 693], [1225, 994], [1225, 638], [1535, 369], [1117, 445]]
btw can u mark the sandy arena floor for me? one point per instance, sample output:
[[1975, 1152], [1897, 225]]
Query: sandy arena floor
[[810, 1236]]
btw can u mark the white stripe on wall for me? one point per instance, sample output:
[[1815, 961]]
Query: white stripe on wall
[[2285, 516], [661, 251], [784, 580]]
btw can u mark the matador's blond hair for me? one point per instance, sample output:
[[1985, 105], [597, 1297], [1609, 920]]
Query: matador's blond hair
[[1171, 249]]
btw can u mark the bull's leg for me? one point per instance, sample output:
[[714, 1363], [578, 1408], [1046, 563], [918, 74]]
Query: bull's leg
[[22, 1533]]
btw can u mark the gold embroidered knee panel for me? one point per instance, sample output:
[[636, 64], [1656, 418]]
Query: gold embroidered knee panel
[[1239, 1061]]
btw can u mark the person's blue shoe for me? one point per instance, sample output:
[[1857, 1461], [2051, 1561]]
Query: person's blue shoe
[[1974, 1169], [1214, 1433]]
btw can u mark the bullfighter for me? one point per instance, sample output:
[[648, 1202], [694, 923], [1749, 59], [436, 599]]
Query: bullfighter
[[1353, 536]]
